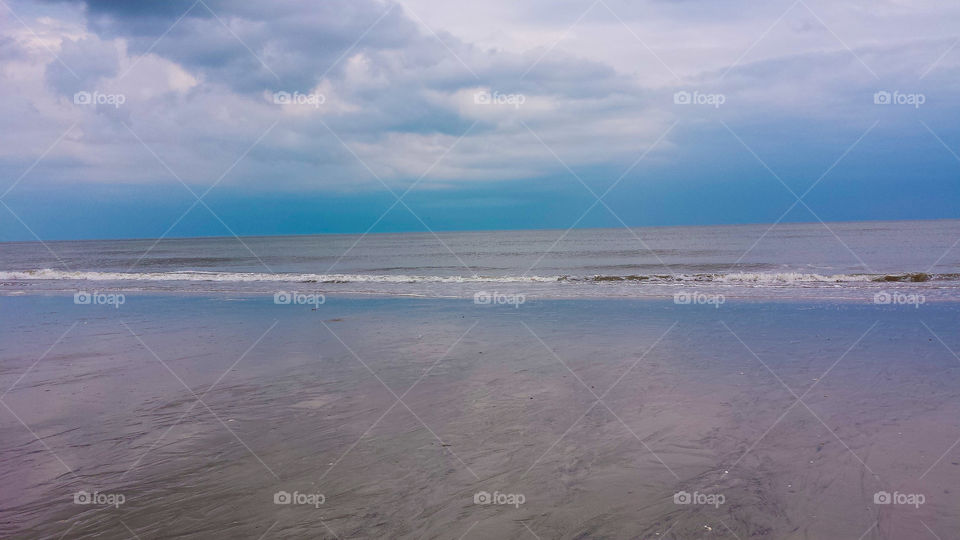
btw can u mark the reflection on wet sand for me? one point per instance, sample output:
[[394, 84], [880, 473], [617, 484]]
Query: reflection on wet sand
[[402, 418]]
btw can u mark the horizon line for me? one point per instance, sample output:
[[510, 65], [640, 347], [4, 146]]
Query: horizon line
[[456, 231]]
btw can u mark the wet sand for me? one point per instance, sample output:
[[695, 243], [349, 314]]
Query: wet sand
[[496, 399]]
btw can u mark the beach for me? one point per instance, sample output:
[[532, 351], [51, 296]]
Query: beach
[[409, 269], [377, 417]]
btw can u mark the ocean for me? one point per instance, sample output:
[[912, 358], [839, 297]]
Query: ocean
[[839, 260]]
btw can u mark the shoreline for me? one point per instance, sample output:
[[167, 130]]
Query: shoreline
[[866, 297]]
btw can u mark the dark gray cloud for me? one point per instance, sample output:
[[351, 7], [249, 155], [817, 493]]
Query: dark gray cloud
[[249, 46]]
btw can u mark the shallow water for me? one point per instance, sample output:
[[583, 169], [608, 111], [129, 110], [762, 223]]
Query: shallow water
[[499, 399]]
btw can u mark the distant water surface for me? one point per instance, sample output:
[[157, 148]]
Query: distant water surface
[[838, 259]]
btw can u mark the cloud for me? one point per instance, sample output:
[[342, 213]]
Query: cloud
[[398, 83]]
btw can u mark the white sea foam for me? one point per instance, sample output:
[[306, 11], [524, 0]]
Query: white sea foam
[[243, 277], [791, 277], [746, 278]]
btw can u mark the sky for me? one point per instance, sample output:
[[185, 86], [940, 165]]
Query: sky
[[223, 117]]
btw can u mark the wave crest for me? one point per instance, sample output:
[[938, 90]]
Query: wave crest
[[756, 278]]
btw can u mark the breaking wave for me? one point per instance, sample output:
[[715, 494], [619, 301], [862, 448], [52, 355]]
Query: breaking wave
[[755, 278]]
